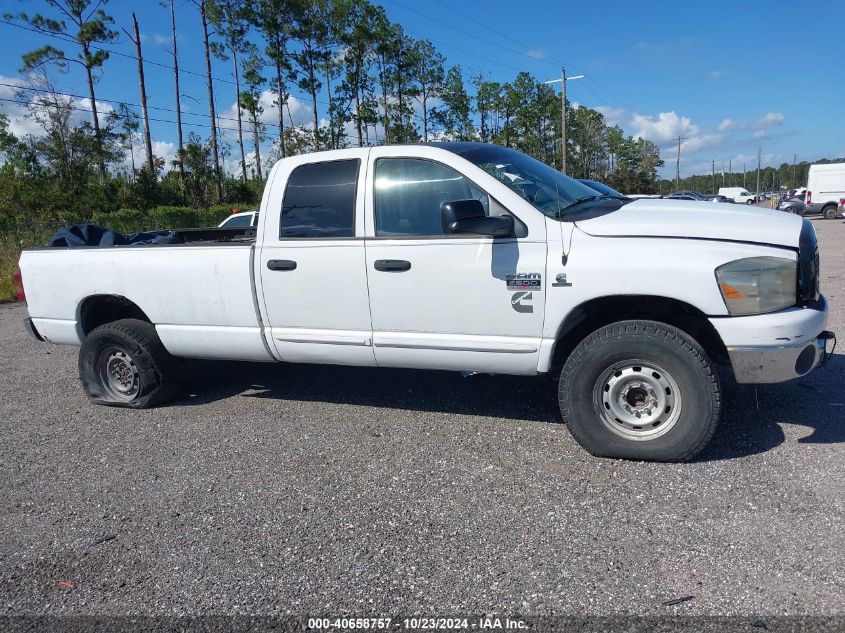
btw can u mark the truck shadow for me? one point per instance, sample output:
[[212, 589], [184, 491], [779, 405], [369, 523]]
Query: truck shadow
[[507, 397], [751, 415]]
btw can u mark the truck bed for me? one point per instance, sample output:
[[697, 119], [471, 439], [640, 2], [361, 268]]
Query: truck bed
[[200, 298]]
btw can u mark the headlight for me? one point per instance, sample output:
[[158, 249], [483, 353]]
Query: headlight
[[758, 284]]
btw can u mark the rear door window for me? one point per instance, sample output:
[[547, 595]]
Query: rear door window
[[319, 201]]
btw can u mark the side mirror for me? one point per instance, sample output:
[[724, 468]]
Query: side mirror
[[468, 217]]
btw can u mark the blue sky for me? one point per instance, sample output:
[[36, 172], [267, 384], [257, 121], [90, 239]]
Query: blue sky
[[728, 76]]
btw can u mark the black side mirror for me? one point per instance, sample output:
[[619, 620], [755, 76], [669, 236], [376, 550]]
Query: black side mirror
[[468, 217]]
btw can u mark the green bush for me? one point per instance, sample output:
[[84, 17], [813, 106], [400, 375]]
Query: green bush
[[215, 214], [175, 218], [123, 220], [9, 255]]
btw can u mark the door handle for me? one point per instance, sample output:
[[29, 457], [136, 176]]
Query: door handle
[[392, 265], [281, 264]]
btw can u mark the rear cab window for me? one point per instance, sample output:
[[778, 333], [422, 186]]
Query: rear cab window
[[320, 200]]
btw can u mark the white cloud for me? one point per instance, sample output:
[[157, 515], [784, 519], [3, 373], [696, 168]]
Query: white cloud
[[614, 116], [759, 134], [726, 125], [701, 141], [771, 119], [535, 53], [159, 39], [162, 149], [22, 121], [295, 110], [718, 74], [664, 127]]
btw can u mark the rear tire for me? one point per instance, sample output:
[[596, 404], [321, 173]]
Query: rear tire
[[830, 212], [640, 390], [124, 364]]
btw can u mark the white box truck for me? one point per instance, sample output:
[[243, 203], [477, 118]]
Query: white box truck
[[825, 188], [740, 195]]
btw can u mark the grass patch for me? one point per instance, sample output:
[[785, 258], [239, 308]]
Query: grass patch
[[9, 256]]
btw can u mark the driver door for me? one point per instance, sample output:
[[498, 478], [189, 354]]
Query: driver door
[[440, 301]]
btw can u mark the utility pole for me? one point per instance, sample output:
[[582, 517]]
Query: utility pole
[[147, 140], [730, 173], [744, 173], [178, 98], [794, 160], [563, 79], [678, 165], [713, 165], [563, 119], [758, 170]]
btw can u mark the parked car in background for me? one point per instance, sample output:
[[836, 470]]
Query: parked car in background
[[825, 188], [602, 188], [698, 197], [842, 207], [739, 195], [720, 198], [795, 205], [686, 195], [240, 220]]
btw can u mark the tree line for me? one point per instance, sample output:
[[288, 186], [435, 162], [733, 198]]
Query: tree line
[[782, 178], [376, 85]]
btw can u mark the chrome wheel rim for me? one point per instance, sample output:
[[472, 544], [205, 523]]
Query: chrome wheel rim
[[637, 400], [119, 374]]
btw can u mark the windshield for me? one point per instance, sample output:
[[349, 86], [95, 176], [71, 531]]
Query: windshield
[[548, 190]]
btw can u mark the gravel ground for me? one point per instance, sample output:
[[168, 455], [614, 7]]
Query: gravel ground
[[323, 490]]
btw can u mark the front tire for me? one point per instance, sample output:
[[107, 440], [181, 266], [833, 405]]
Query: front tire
[[749, 202], [640, 390], [124, 364]]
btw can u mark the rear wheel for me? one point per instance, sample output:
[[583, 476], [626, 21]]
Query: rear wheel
[[124, 364], [830, 212], [640, 390]]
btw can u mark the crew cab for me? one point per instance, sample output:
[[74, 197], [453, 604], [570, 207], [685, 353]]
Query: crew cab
[[466, 257]]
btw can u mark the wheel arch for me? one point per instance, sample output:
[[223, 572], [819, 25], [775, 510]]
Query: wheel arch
[[598, 312], [97, 310]]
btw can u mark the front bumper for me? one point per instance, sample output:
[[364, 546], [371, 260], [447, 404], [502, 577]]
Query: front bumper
[[779, 364], [776, 347]]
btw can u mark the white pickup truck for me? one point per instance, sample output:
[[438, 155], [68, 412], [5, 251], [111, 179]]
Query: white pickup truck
[[458, 256]]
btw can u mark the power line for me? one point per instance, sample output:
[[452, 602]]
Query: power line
[[128, 103], [145, 60], [545, 59], [472, 35], [127, 116], [508, 36]]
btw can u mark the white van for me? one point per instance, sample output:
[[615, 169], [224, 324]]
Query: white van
[[740, 195], [825, 188]]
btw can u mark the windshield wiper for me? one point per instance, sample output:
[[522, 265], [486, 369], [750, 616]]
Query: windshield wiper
[[582, 200]]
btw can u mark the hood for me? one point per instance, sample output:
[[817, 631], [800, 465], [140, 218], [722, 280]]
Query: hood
[[699, 220]]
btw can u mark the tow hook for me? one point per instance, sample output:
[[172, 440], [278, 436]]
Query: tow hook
[[827, 336]]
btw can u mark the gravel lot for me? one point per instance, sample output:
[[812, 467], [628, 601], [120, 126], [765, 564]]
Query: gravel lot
[[344, 491]]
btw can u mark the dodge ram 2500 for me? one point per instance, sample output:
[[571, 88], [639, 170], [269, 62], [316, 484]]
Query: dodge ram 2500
[[458, 256]]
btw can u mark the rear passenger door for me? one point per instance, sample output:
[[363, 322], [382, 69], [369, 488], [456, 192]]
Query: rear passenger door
[[311, 267]]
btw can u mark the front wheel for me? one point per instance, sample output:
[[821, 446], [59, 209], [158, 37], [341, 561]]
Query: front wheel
[[124, 364], [640, 390], [749, 202]]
